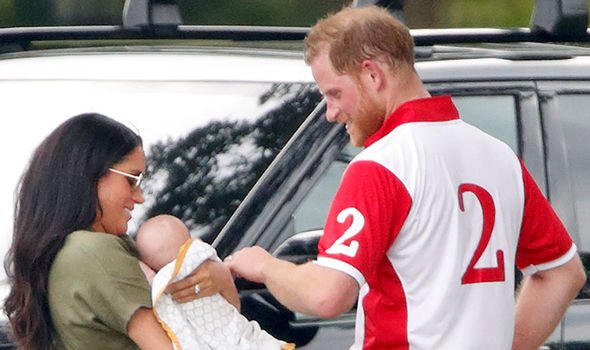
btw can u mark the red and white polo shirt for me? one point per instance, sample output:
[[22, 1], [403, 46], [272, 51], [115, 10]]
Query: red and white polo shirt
[[430, 219]]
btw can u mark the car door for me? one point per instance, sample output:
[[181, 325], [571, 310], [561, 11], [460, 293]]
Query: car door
[[565, 108]]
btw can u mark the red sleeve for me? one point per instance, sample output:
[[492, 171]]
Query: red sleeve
[[366, 215], [543, 238]]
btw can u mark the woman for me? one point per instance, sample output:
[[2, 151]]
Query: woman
[[74, 274]]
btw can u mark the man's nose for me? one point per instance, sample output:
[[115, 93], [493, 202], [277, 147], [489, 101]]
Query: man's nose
[[332, 112]]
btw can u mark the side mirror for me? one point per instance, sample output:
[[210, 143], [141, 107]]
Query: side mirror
[[300, 248]]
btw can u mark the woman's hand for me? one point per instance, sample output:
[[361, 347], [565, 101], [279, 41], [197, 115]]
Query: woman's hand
[[211, 277]]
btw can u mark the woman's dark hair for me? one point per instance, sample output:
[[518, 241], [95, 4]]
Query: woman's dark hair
[[57, 195]]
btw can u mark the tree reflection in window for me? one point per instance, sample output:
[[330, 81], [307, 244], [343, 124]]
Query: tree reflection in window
[[203, 177]]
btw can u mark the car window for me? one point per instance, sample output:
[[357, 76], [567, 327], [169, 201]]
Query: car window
[[495, 115], [313, 210], [207, 143], [574, 119]]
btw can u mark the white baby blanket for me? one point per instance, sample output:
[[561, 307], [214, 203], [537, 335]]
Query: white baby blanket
[[208, 322]]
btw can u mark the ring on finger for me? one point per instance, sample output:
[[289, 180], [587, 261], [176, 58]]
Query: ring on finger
[[197, 289]]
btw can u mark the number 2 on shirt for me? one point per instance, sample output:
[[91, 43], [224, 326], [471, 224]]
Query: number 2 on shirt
[[358, 222], [484, 274]]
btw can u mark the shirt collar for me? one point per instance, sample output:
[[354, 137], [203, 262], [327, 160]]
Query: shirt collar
[[430, 109]]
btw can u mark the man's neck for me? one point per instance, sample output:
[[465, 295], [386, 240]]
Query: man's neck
[[406, 87]]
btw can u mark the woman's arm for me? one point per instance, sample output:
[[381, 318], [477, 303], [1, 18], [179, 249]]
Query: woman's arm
[[146, 331], [147, 271], [212, 277]]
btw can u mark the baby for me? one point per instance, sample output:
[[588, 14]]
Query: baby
[[169, 254]]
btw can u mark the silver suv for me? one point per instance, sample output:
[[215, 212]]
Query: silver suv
[[238, 145]]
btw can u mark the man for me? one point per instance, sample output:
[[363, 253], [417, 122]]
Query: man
[[429, 219]]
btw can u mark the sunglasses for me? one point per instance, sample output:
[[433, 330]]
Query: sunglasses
[[134, 180]]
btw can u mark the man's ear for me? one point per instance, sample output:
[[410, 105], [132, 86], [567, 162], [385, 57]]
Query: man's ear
[[372, 74]]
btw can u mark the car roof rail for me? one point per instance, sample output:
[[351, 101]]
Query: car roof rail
[[560, 19], [396, 7], [552, 21], [151, 15]]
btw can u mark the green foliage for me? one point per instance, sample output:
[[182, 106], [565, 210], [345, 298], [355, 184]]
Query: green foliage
[[468, 13], [7, 13], [488, 13], [257, 12], [418, 13], [244, 12], [32, 11]]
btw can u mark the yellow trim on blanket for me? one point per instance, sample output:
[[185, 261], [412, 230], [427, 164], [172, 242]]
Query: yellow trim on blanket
[[179, 260], [168, 331]]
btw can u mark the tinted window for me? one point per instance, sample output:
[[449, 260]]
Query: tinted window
[[207, 142], [313, 210], [495, 115], [210, 170], [574, 120]]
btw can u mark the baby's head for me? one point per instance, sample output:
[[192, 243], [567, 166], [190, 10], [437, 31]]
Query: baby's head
[[159, 239]]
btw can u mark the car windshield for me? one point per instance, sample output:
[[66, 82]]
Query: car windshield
[[207, 143]]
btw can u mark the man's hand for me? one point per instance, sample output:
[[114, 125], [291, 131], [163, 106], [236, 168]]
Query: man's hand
[[308, 288], [249, 263]]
